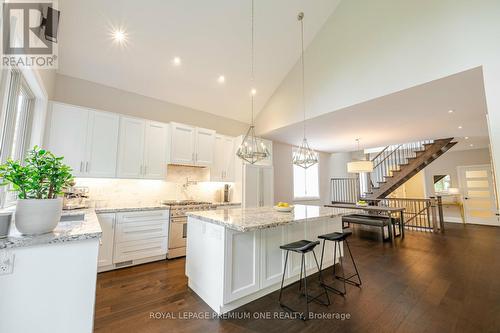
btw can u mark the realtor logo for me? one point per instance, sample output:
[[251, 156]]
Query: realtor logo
[[29, 34]]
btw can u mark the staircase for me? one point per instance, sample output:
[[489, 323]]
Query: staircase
[[395, 164]]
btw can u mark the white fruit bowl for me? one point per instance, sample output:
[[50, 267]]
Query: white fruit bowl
[[283, 209]]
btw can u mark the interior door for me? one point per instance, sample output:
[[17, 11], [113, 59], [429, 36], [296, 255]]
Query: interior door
[[182, 144], [102, 144], [131, 148], [479, 195], [205, 143], [155, 147], [68, 133]]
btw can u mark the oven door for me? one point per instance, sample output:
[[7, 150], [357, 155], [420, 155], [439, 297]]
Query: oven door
[[178, 232]]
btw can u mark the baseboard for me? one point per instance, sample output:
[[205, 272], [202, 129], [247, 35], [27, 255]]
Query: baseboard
[[453, 219]]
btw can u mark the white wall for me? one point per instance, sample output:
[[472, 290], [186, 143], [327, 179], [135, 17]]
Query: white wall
[[93, 95]]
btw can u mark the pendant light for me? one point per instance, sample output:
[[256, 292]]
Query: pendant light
[[359, 166], [252, 149], [304, 157]]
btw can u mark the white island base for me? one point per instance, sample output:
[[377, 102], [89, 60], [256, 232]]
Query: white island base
[[229, 268]]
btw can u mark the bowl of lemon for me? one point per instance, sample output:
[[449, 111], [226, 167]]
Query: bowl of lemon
[[283, 207]]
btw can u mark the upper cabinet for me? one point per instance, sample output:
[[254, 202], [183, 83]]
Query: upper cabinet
[[87, 139], [222, 170], [142, 149], [191, 145]]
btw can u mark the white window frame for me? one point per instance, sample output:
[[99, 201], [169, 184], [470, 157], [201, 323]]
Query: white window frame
[[306, 197]]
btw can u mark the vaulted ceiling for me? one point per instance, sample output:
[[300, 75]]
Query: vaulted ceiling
[[211, 38]]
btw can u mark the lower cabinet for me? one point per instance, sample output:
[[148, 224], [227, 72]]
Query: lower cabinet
[[254, 261], [130, 238]]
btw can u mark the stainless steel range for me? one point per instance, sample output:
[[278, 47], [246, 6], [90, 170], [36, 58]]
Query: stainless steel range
[[178, 224]]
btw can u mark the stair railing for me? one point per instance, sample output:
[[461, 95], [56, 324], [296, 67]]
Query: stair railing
[[392, 157]]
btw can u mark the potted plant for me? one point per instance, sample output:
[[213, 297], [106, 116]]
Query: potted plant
[[38, 182]]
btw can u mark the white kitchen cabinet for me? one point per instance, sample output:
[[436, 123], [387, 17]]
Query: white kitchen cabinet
[[87, 139], [182, 144], [102, 144], [155, 158], [222, 169], [242, 257], [191, 145], [140, 235], [272, 258], [258, 186], [107, 222], [142, 148], [204, 146]]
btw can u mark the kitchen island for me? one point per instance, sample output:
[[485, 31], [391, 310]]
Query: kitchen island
[[234, 257]]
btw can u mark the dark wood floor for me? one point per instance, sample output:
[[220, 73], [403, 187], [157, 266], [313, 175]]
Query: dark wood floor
[[426, 283]]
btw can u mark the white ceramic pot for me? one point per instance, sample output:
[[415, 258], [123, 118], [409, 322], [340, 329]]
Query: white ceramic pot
[[37, 216]]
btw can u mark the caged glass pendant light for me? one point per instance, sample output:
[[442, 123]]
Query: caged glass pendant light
[[252, 149], [304, 157]]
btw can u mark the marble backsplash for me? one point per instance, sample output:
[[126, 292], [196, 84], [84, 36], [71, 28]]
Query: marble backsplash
[[110, 192]]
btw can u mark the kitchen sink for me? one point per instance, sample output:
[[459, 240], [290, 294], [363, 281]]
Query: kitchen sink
[[73, 218]]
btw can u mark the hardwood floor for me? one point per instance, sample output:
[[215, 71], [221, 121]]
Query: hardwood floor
[[426, 283]]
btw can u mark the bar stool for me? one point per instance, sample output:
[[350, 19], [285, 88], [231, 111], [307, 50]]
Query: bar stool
[[302, 247], [338, 237]]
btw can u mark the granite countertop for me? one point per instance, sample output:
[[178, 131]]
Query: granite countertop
[[68, 231], [248, 219], [145, 207]]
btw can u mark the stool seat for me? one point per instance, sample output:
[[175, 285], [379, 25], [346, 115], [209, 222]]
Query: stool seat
[[336, 236], [302, 246]]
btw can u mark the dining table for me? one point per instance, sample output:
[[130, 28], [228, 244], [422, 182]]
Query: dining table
[[381, 210]]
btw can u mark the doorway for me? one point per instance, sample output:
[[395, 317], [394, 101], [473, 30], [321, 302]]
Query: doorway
[[480, 204]]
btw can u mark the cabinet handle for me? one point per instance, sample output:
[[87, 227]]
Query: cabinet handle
[[81, 166], [192, 156], [87, 166]]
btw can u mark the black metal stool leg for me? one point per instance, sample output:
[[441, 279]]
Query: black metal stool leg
[[303, 267], [348, 280], [332, 289], [342, 266], [321, 265], [283, 278], [326, 292]]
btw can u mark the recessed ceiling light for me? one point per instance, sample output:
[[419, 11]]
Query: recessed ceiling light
[[176, 61], [253, 91], [471, 145], [451, 111], [460, 127], [466, 138], [119, 36], [221, 79]]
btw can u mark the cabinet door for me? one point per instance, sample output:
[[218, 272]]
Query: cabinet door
[[272, 257], [241, 264], [107, 222], [102, 144], [182, 144], [251, 180], [205, 143], [131, 148], [68, 133], [155, 160], [218, 167], [230, 155], [267, 186]]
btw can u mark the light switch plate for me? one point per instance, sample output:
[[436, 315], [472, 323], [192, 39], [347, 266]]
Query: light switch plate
[[6, 262]]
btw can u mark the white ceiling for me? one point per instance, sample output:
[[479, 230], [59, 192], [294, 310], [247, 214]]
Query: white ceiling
[[414, 114], [211, 38]]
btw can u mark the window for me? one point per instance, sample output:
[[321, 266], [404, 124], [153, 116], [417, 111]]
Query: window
[[306, 182], [16, 123]]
